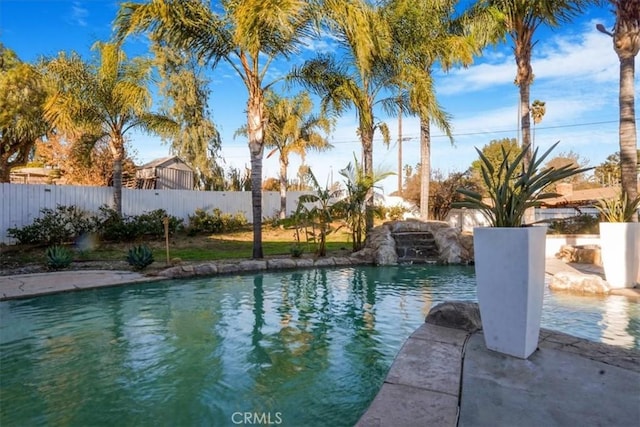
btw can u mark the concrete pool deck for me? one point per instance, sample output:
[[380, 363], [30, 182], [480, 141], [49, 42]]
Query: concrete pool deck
[[446, 377]]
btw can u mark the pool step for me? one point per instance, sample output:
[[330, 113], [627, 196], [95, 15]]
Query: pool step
[[416, 247]]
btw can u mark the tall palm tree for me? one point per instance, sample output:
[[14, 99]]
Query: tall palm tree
[[359, 78], [626, 43], [246, 34], [520, 19], [424, 34], [292, 129], [538, 110], [103, 101]]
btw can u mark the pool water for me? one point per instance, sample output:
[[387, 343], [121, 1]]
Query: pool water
[[302, 348]]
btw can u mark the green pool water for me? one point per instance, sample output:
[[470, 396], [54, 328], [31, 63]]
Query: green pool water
[[304, 348]]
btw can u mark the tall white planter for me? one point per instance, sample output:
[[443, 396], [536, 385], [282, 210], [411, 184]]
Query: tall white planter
[[509, 264], [620, 248]]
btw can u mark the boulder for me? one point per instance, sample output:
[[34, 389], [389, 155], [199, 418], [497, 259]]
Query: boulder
[[456, 314], [579, 283], [586, 254]]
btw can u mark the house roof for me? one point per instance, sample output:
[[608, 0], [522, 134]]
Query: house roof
[[582, 197]]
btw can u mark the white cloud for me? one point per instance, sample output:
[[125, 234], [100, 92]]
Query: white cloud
[[588, 55], [79, 14]]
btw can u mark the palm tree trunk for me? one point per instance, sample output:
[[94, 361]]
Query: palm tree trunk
[[524, 77], [425, 167], [255, 128], [367, 162], [627, 131], [283, 188], [117, 149]]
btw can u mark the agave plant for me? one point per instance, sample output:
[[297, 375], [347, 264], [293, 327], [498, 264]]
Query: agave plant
[[618, 209], [58, 257], [515, 187], [140, 257]]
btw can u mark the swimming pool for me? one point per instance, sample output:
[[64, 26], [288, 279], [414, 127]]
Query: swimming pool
[[307, 347]]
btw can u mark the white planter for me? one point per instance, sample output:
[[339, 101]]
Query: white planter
[[509, 264], [620, 247]]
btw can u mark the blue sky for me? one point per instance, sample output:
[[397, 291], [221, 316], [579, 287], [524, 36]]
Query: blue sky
[[576, 74]]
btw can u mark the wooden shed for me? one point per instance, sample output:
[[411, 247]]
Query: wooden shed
[[167, 173]]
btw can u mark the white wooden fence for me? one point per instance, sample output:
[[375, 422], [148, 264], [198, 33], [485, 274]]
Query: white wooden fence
[[21, 203]]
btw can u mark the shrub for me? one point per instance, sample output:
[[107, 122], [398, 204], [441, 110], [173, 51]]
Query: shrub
[[118, 228], [55, 226], [580, 224], [58, 257], [140, 257], [296, 250], [215, 222], [395, 213]]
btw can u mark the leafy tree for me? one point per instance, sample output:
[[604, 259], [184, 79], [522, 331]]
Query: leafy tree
[[569, 159], [444, 192], [608, 172], [292, 129], [248, 35], [424, 33], [185, 91], [519, 19], [494, 154], [358, 79], [22, 120], [238, 180], [626, 43], [102, 102], [80, 165]]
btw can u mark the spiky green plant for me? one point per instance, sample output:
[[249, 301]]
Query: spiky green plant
[[140, 257], [618, 209], [515, 186], [58, 257]]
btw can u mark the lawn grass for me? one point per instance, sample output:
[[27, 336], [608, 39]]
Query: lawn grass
[[276, 241]]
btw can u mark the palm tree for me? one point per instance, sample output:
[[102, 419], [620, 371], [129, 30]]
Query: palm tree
[[356, 81], [626, 43], [248, 35], [353, 206], [538, 110], [103, 101], [292, 129], [423, 34], [520, 19]]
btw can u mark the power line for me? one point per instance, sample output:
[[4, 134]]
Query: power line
[[415, 136]]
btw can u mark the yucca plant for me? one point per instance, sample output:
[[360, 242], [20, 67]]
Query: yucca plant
[[515, 187], [58, 257], [140, 257], [618, 209]]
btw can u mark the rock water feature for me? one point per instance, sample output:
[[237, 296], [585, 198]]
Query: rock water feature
[[414, 241]]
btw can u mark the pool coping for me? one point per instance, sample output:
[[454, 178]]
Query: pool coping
[[39, 284], [424, 385]]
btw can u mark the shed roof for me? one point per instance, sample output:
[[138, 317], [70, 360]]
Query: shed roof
[[166, 162]]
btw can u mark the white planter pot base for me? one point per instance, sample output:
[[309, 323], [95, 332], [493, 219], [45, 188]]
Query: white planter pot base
[[620, 248], [510, 268]]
